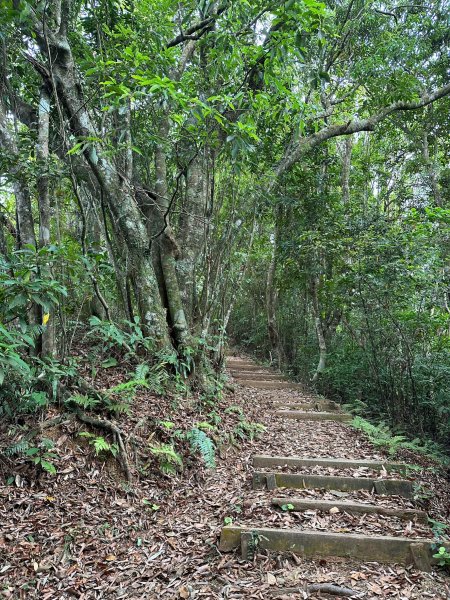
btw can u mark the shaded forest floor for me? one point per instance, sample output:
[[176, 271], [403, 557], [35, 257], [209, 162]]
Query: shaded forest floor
[[85, 533]]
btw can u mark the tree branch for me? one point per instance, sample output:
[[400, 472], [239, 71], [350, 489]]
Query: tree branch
[[202, 27], [295, 151]]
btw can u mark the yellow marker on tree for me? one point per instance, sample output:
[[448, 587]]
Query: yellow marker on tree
[[45, 318]]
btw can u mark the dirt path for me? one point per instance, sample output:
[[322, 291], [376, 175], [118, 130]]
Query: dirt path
[[80, 535]]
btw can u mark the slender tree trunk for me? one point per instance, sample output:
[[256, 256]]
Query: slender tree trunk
[[165, 248], [192, 231], [346, 164], [48, 347], [271, 294], [319, 330], [431, 171]]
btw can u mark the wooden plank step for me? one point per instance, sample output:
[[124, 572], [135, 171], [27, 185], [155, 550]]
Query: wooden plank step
[[264, 460], [241, 362], [245, 368], [271, 481], [383, 549], [292, 404], [304, 407], [270, 385], [257, 375], [358, 508], [314, 416]]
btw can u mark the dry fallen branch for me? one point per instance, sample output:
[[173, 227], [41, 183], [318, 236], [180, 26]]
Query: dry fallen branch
[[325, 588]]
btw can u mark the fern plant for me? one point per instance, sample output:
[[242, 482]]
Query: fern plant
[[85, 402], [169, 460], [100, 444], [201, 443]]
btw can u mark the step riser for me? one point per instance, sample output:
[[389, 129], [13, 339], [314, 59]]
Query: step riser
[[306, 406], [271, 481], [313, 416], [262, 376], [300, 505], [263, 461], [270, 385], [381, 549]]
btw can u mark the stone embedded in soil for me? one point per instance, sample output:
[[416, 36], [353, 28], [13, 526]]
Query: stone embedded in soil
[[314, 416], [263, 460], [301, 504], [397, 487], [383, 549]]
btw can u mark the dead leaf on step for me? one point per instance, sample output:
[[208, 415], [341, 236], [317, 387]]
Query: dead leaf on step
[[271, 579], [334, 510], [375, 588], [110, 557], [183, 592]]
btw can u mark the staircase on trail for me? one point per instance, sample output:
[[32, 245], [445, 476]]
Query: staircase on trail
[[285, 473]]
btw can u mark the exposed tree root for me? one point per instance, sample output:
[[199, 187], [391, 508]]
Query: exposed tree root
[[325, 588], [66, 418], [112, 428]]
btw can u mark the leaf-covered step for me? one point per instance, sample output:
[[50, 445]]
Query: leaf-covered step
[[353, 508], [383, 549], [264, 460], [271, 481], [314, 416], [270, 385]]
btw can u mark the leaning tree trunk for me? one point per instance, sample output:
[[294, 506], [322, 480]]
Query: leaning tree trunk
[[118, 194]]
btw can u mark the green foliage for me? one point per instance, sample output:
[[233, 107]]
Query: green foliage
[[169, 460], [381, 436], [99, 444], [287, 507], [201, 443], [42, 455], [126, 337], [84, 402], [442, 557], [248, 430]]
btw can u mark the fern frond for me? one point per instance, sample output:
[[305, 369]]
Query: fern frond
[[19, 447], [202, 444]]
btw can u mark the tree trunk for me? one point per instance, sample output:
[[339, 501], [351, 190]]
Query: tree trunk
[[48, 347], [319, 330], [431, 171], [165, 248], [118, 194], [192, 231], [271, 295], [346, 164]]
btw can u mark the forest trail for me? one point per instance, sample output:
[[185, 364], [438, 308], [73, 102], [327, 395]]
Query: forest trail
[[336, 499], [85, 533]]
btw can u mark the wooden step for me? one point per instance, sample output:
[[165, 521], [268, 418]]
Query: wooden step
[[383, 549], [264, 460], [271, 481], [270, 385], [257, 375], [353, 508], [293, 404], [246, 369], [304, 406], [314, 416]]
